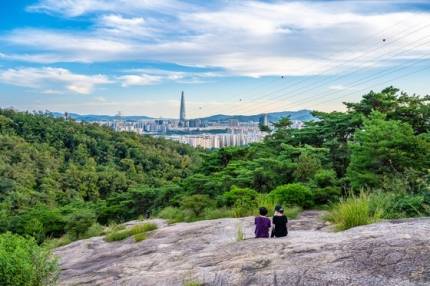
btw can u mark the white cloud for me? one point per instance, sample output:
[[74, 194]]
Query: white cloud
[[249, 38], [142, 79], [48, 76], [74, 8]]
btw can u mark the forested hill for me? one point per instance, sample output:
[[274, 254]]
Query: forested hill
[[61, 177], [47, 162]]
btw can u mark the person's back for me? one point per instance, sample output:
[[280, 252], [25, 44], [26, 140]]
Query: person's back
[[280, 224], [262, 224]]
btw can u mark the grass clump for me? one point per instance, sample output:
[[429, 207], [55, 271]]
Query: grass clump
[[95, 229], [140, 236], [138, 231], [353, 211], [117, 235], [172, 215], [52, 243], [193, 283], [240, 235], [140, 228]]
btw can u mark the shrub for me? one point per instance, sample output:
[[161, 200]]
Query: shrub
[[353, 211], [325, 178], [172, 214], [196, 204], [94, 230], [293, 194], [242, 199], [23, 262], [243, 212], [326, 195], [240, 196], [398, 205], [218, 213], [79, 223]]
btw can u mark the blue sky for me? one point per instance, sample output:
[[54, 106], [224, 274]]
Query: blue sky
[[235, 57]]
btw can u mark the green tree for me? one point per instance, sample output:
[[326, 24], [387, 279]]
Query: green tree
[[293, 194], [385, 148], [196, 204]]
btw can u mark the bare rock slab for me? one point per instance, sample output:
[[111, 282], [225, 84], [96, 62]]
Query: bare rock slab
[[388, 253]]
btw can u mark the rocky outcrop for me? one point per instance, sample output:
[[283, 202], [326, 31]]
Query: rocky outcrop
[[387, 253]]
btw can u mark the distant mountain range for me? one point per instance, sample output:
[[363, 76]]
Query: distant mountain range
[[93, 117], [302, 115]]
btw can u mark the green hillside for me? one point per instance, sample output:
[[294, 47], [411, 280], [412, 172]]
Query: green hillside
[[60, 176], [51, 168]]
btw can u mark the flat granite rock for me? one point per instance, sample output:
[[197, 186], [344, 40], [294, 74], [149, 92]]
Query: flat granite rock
[[388, 253]]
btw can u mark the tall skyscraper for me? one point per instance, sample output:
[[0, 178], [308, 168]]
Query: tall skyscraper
[[182, 110]]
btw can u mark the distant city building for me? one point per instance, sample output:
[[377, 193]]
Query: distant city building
[[182, 118], [197, 132], [264, 120]]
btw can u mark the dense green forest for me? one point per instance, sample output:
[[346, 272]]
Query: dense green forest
[[58, 176]]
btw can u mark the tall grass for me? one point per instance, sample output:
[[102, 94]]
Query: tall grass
[[139, 232], [240, 235], [353, 211]]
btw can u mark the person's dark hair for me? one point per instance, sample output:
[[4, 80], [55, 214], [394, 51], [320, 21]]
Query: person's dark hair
[[278, 207], [263, 211], [281, 210]]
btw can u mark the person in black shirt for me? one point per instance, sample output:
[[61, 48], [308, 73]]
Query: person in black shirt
[[279, 223]]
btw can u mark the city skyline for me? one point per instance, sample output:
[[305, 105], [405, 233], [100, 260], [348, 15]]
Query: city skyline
[[230, 57]]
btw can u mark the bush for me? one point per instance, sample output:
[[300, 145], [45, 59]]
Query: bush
[[94, 230], [79, 223], [218, 213], [293, 194], [39, 222], [326, 195], [325, 178], [172, 214], [353, 211], [399, 205], [239, 196], [23, 262], [196, 204]]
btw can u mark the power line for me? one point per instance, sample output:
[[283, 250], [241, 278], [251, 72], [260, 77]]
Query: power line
[[377, 35], [321, 83], [380, 83]]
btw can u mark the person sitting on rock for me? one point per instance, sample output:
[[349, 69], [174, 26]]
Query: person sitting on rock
[[262, 224], [279, 223]]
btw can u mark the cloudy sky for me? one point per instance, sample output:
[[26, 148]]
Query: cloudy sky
[[247, 57]]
